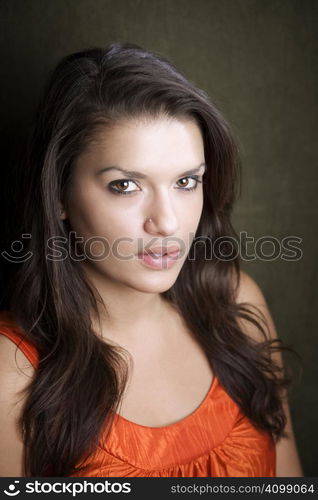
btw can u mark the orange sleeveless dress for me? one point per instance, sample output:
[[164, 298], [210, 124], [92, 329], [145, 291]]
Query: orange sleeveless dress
[[216, 440]]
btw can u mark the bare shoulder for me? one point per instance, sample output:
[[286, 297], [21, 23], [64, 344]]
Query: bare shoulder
[[15, 374], [251, 294], [13, 360], [248, 291]]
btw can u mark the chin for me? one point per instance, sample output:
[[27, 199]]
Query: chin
[[154, 284]]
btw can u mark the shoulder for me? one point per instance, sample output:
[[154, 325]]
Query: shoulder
[[247, 291], [13, 360], [13, 338], [15, 375]]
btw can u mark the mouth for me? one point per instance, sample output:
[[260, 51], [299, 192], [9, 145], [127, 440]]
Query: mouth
[[160, 259], [162, 251], [158, 254]]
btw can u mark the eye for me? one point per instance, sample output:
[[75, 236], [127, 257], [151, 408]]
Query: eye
[[123, 184], [185, 182], [120, 186]]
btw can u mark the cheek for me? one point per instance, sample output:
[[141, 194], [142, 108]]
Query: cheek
[[193, 211], [104, 227]]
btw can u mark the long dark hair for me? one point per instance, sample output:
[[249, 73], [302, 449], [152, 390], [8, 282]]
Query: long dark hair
[[79, 374]]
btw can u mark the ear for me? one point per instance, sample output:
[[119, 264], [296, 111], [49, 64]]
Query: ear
[[63, 214]]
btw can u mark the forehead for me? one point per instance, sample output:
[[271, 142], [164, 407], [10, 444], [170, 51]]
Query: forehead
[[148, 145]]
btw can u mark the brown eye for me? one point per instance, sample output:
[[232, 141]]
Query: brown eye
[[184, 181], [123, 185]]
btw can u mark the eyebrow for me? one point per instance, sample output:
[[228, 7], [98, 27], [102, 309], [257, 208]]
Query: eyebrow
[[140, 175]]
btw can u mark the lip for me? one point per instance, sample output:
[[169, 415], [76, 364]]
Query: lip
[[172, 249], [162, 261]]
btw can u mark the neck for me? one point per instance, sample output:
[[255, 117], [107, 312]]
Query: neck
[[128, 313]]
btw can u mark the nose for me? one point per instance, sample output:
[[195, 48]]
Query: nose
[[164, 220]]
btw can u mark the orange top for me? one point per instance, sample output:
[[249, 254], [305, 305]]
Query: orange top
[[216, 440]]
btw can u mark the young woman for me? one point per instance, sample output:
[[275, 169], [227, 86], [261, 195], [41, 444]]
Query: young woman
[[143, 350]]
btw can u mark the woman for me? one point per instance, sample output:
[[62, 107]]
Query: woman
[[148, 352]]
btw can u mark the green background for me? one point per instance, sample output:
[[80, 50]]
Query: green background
[[258, 61]]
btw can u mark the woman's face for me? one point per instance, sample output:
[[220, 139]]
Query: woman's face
[[109, 209]]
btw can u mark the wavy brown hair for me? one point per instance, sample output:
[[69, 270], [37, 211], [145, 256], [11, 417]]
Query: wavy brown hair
[[71, 400]]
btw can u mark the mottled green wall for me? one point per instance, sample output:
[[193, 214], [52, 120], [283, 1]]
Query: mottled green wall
[[258, 60]]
